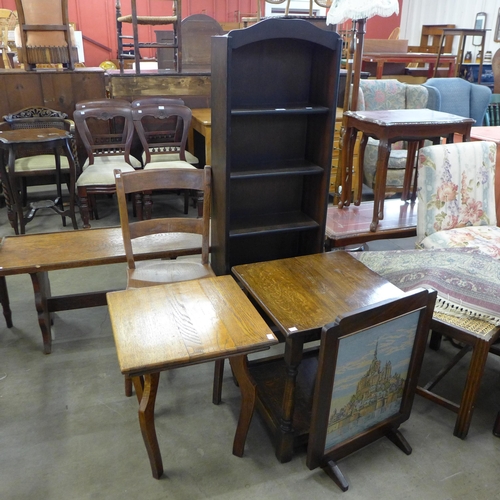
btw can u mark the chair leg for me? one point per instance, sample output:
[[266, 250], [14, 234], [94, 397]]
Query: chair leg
[[474, 377], [84, 207]]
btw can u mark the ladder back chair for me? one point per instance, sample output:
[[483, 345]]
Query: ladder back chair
[[132, 42], [155, 272]]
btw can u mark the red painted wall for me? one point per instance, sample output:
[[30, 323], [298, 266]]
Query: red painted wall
[[97, 20]]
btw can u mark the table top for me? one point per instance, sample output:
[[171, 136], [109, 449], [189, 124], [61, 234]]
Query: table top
[[302, 294], [425, 56], [173, 325], [32, 135], [203, 115], [351, 225], [398, 117]]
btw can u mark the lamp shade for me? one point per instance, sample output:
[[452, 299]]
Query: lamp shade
[[343, 10]]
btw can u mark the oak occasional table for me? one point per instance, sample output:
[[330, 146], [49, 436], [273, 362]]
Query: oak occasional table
[[168, 326], [300, 295], [413, 125], [52, 139]]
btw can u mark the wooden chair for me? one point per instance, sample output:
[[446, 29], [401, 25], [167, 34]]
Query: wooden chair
[[33, 165], [155, 272], [449, 222], [107, 133], [148, 20], [163, 130], [45, 35]]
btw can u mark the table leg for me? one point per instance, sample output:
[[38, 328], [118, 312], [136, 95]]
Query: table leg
[[409, 170], [384, 150], [346, 166], [4, 300], [147, 423], [72, 182], [361, 162], [16, 202], [380, 69], [248, 395], [285, 432], [41, 287]]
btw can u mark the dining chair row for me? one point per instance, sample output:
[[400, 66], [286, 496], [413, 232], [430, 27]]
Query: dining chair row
[[149, 133]]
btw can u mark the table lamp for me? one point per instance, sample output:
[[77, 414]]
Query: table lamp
[[358, 11]]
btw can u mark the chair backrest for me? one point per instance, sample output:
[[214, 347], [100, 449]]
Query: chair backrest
[[460, 97], [97, 103], [455, 186], [40, 117], [105, 131], [45, 32], [377, 95], [156, 101], [368, 367], [162, 129], [150, 180]]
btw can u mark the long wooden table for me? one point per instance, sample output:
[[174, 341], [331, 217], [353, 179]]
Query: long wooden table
[[411, 57], [169, 326], [37, 254], [300, 295]]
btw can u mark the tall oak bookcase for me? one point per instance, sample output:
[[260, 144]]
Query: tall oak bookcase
[[274, 94]]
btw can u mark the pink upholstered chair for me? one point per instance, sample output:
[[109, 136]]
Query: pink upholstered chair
[[456, 197]]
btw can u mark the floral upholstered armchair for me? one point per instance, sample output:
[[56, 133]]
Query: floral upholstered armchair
[[456, 198], [376, 95]]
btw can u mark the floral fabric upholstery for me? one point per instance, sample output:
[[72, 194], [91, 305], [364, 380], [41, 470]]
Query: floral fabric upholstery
[[456, 198], [377, 95]]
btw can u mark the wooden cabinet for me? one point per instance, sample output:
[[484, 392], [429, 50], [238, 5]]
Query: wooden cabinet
[[274, 91]]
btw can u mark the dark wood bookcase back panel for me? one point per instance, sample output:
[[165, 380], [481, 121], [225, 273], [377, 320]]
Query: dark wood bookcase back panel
[[274, 92]]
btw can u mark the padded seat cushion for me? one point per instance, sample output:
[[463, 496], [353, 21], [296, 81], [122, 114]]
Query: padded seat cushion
[[101, 173], [39, 162], [168, 164], [160, 158], [485, 239]]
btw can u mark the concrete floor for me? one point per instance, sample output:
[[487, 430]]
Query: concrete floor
[[68, 432]]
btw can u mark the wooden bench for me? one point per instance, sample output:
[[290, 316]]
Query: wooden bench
[[37, 254]]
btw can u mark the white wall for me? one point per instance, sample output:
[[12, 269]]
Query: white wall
[[462, 13]]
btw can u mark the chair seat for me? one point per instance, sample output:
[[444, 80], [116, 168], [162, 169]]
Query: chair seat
[[156, 272], [39, 163], [168, 164], [101, 173], [485, 238], [149, 19], [171, 157]]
